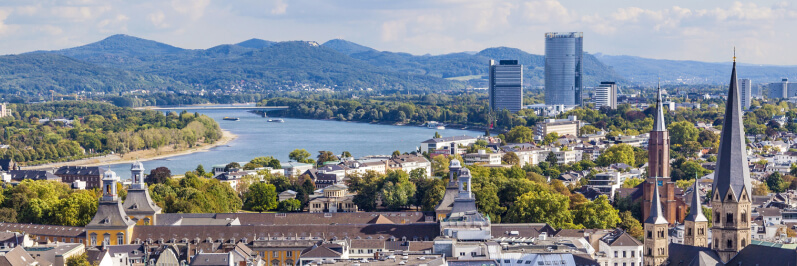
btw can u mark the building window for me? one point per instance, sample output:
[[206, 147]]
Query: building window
[[730, 243], [615, 253], [650, 234], [624, 254], [106, 239], [120, 239], [289, 253], [473, 254], [275, 254], [93, 240], [689, 231], [632, 253], [717, 217]]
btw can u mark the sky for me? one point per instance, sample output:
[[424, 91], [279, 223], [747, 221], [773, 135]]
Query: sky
[[707, 30]]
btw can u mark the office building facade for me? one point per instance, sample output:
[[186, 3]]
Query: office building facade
[[746, 90], [606, 95], [563, 68], [782, 90], [506, 85]]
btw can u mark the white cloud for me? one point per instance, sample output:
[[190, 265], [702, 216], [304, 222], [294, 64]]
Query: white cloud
[[194, 9], [158, 18], [279, 7]]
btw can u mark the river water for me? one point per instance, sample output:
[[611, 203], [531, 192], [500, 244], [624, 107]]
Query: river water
[[256, 137]]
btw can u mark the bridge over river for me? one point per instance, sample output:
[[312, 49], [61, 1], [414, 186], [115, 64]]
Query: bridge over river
[[259, 108]]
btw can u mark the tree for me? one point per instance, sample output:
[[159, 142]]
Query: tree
[[266, 162], [550, 138], [260, 197], [78, 260], [683, 131], [775, 182], [325, 156], [158, 175], [346, 154], [299, 155], [289, 205], [597, 214], [632, 182], [760, 189], [541, 207], [367, 186], [440, 165], [396, 153], [631, 225], [510, 158], [588, 129], [684, 184], [200, 170], [551, 159], [232, 165], [620, 153], [437, 135], [519, 134]]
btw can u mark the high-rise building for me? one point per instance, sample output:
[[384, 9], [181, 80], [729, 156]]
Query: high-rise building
[[4, 110], [563, 68], [606, 95], [783, 89], [732, 189], [506, 85], [746, 93]]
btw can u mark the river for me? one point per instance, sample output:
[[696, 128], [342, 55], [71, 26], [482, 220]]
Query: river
[[256, 137]]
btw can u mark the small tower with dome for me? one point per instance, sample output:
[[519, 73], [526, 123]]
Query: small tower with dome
[[138, 204], [110, 225]]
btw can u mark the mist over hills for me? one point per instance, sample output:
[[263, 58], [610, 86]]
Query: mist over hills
[[122, 63]]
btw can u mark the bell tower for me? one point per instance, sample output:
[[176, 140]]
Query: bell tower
[[730, 199], [696, 224], [656, 245], [110, 225]]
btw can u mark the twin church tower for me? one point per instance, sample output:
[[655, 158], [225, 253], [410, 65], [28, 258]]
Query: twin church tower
[[730, 199], [114, 222]]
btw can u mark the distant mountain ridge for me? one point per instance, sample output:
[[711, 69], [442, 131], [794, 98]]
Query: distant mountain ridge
[[646, 71]]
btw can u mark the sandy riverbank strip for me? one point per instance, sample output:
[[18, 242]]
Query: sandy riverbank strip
[[143, 155]]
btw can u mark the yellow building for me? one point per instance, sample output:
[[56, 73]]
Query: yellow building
[[111, 225]]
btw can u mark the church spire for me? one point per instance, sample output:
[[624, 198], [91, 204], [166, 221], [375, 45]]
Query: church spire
[[732, 172], [658, 121], [696, 209], [656, 215]]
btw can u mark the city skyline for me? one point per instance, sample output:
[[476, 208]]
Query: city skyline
[[678, 30]]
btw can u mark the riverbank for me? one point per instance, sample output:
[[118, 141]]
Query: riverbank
[[141, 156]]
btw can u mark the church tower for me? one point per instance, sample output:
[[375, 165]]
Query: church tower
[[730, 200], [138, 205], [110, 225], [659, 167], [656, 250], [696, 224]]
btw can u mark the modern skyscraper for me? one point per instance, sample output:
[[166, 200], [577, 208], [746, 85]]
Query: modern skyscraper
[[563, 64], [606, 95], [732, 189], [782, 90], [746, 90], [506, 85]]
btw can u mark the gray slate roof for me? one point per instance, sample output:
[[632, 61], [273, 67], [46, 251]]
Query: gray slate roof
[[658, 121], [696, 209], [656, 215], [732, 171], [110, 214], [139, 202]]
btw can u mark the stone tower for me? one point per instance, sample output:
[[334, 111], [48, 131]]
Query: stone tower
[[659, 167], [730, 200], [110, 225], [656, 250], [138, 204], [696, 224]]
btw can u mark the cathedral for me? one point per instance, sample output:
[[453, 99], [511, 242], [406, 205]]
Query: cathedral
[[730, 199]]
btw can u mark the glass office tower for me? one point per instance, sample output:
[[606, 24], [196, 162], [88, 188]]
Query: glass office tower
[[506, 85], [563, 68]]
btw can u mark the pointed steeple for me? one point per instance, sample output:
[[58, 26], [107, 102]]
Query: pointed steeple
[[696, 211], [732, 172], [656, 215], [658, 121]]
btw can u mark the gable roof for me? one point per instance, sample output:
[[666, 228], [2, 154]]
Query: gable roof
[[625, 240], [381, 220], [764, 255], [16, 257]]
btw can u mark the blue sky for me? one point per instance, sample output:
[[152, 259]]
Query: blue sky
[[706, 30]]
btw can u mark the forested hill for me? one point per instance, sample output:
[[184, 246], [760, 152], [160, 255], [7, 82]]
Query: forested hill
[[645, 71], [122, 63]]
